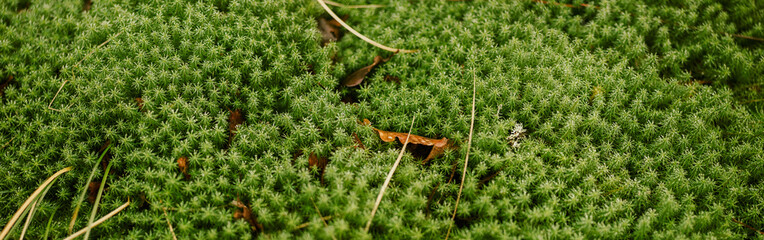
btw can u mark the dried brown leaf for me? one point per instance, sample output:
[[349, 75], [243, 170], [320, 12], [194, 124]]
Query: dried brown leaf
[[235, 119], [86, 4], [318, 162], [183, 165], [356, 78], [139, 102], [246, 214], [330, 31], [439, 146]]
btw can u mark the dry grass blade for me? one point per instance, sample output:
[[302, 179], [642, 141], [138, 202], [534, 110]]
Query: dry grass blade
[[85, 189], [98, 199], [29, 200], [172, 231], [99, 221], [466, 159], [304, 225], [336, 4], [389, 177], [359, 35], [32, 210]]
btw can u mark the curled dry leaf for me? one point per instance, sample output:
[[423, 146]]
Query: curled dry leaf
[[244, 213], [439, 146], [356, 78], [183, 165], [235, 119], [330, 30], [318, 162]]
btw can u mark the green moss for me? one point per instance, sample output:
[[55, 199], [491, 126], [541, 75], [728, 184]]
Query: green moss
[[621, 143]]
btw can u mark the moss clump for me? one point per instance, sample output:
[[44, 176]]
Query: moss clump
[[635, 126]]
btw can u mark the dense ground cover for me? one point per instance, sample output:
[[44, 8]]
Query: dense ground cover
[[642, 117]]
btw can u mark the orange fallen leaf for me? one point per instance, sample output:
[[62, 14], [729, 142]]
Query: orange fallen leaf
[[183, 165], [235, 119], [439, 146], [246, 214], [320, 163], [357, 77]]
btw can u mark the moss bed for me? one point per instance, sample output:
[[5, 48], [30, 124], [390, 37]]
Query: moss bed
[[643, 117]]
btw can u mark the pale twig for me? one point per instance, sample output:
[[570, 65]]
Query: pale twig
[[101, 220], [336, 4], [304, 225], [77, 65], [55, 96], [389, 177], [359, 35], [466, 158], [172, 231], [9, 142], [321, 216], [96, 48]]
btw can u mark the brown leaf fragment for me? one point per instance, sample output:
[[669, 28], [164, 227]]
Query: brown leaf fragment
[[439, 146], [139, 102], [246, 214], [86, 4], [183, 165], [318, 162], [356, 78], [5, 85], [358, 142], [235, 119], [329, 32], [93, 191], [391, 78]]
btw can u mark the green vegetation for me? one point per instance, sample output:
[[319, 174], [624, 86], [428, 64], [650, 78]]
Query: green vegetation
[[642, 118]]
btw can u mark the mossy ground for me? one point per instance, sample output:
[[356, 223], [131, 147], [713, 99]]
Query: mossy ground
[[642, 117]]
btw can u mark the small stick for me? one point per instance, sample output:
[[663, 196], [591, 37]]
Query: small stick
[[29, 200], [9, 142], [746, 225], [304, 225], [169, 224], [321, 216], [466, 158], [96, 48], [336, 4], [54, 97], [101, 220], [77, 65], [389, 176], [361, 36]]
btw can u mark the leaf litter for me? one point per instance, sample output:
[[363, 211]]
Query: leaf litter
[[437, 146]]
